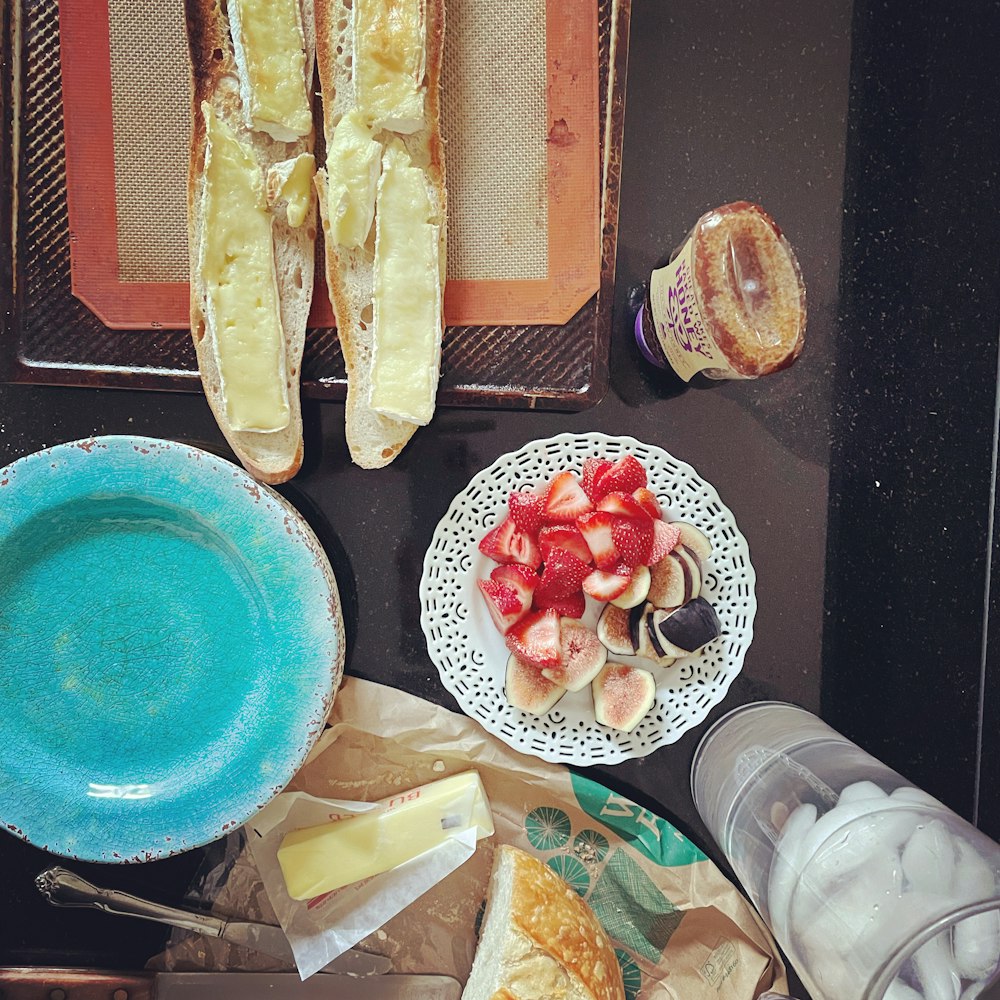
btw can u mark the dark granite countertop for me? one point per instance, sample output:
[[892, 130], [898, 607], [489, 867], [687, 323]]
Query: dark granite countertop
[[863, 477]]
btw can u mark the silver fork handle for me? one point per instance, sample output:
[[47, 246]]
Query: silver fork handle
[[62, 887]]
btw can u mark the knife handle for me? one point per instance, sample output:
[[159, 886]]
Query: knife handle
[[62, 887]]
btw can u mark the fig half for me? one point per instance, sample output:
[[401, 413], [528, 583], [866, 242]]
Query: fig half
[[690, 627], [528, 690], [622, 696], [582, 655]]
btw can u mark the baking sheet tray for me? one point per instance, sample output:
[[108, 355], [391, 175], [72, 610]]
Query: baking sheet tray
[[49, 336]]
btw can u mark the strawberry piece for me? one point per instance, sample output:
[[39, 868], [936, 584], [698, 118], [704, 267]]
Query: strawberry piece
[[526, 511], [646, 499], [626, 475], [633, 539], [665, 539], [596, 529], [535, 639], [565, 500], [521, 579], [563, 572], [593, 469], [564, 536], [567, 606], [503, 603], [506, 543], [624, 505], [606, 586]]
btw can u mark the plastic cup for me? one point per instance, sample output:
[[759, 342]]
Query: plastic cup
[[874, 889]]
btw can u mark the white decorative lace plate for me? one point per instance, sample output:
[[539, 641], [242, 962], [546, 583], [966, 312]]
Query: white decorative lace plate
[[471, 656]]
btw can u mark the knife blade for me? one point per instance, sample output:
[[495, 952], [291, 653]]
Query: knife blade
[[62, 887], [89, 984], [252, 985]]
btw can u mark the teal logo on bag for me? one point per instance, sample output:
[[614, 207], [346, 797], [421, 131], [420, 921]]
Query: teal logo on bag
[[644, 831]]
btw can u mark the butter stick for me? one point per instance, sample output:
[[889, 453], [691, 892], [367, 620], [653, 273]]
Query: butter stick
[[322, 858]]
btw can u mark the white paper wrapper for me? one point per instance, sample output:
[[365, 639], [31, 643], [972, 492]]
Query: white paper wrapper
[[321, 929]]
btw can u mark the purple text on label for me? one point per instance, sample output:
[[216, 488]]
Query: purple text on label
[[683, 319]]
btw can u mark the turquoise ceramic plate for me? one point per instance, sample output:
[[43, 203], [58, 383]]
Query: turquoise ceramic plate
[[170, 645]]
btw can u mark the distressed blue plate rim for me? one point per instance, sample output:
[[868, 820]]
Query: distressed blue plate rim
[[188, 664]]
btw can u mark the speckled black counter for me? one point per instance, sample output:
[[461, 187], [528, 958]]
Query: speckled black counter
[[863, 477]]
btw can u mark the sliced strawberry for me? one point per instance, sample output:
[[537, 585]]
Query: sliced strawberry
[[646, 499], [506, 543], [565, 500], [535, 638], [504, 605], [563, 573], [521, 579], [606, 586], [633, 538], [665, 539], [593, 469], [568, 606], [626, 475], [596, 529], [564, 536], [526, 511], [624, 505]]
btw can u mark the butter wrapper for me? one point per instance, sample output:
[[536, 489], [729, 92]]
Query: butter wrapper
[[412, 840]]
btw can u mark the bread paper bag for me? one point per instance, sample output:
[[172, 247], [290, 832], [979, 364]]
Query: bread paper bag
[[680, 928]]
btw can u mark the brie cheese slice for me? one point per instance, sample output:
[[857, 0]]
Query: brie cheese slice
[[353, 164], [236, 265], [390, 54], [407, 300], [269, 46]]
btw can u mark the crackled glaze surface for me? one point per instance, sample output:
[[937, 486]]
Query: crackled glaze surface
[[171, 640]]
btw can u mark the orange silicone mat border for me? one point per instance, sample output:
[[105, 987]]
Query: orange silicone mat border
[[573, 188], [90, 192]]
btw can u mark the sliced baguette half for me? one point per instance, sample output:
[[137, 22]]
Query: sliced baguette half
[[271, 456], [374, 439], [539, 938]]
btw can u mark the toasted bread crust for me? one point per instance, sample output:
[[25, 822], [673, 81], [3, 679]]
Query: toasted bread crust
[[539, 938], [269, 457], [558, 921], [374, 440]]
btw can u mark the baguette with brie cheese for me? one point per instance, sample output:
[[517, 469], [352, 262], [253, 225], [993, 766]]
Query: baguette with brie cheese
[[383, 204], [252, 220]]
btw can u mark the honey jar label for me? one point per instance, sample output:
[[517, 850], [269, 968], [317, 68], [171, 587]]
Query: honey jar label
[[680, 327]]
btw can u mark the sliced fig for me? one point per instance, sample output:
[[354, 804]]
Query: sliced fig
[[652, 645], [614, 631], [622, 696], [669, 648], [582, 655], [695, 539], [528, 690], [691, 565], [690, 627], [666, 583], [636, 591], [654, 639], [635, 623]]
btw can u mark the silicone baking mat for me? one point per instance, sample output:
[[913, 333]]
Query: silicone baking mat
[[53, 335]]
